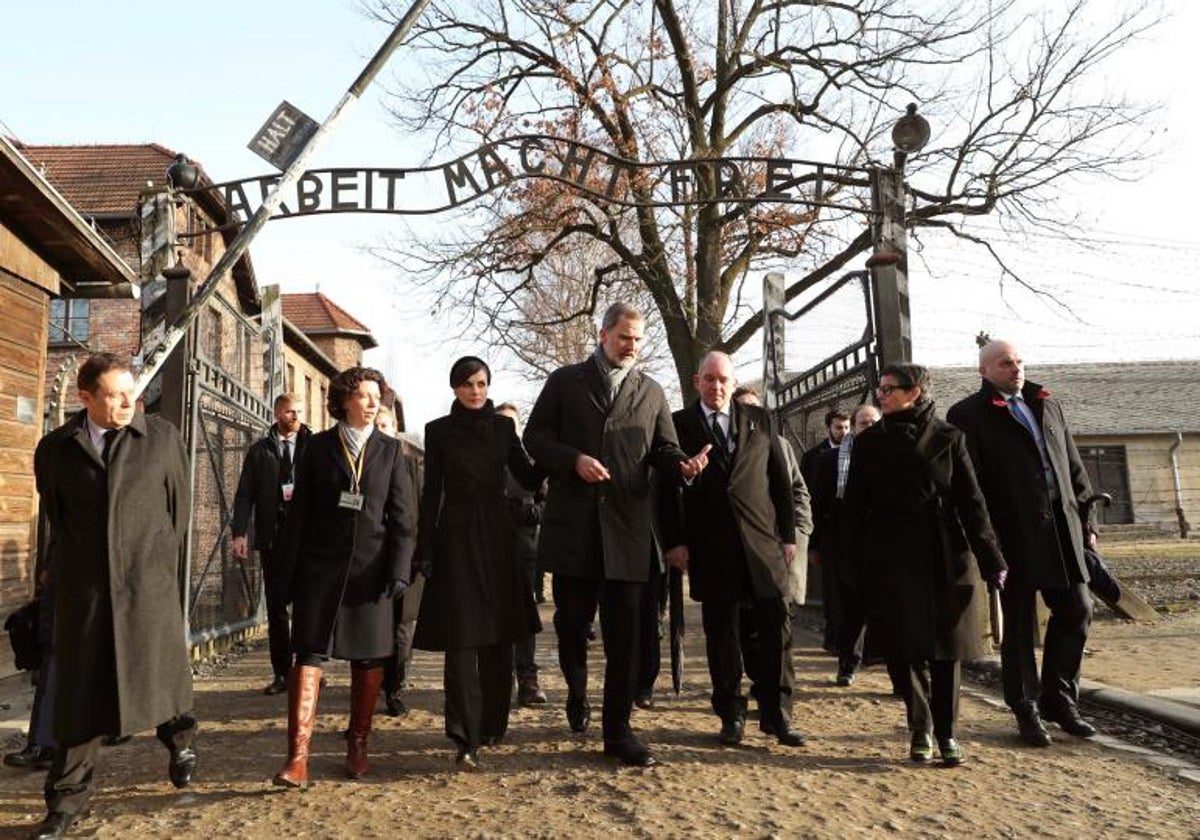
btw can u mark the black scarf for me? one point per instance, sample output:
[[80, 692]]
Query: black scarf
[[910, 422]]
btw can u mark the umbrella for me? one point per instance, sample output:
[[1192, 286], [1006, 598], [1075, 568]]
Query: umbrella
[[675, 596]]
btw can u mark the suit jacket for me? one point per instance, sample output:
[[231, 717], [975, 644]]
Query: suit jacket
[[1009, 469], [115, 553], [600, 530], [258, 489], [737, 514], [340, 561], [920, 527], [808, 458]]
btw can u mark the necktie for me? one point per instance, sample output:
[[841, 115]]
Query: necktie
[[722, 441], [1021, 418], [286, 461], [110, 435]]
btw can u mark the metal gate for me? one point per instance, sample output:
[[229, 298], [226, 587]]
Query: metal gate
[[842, 379], [224, 594]]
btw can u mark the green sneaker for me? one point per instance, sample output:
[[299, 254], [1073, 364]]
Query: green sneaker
[[921, 747], [952, 754]]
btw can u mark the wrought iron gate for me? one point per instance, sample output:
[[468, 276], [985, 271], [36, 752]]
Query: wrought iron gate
[[842, 379], [224, 594]]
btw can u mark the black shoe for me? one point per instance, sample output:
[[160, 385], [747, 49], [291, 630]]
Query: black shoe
[[631, 752], [845, 678], [490, 740], [732, 731], [467, 761], [1032, 730], [645, 700], [54, 825], [920, 748], [952, 754], [790, 738], [182, 767], [579, 715], [277, 686], [32, 757], [1069, 719], [529, 693], [395, 706]]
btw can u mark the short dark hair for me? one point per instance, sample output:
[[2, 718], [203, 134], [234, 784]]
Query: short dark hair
[[620, 310], [96, 366], [835, 414], [908, 376], [346, 383], [466, 367], [745, 390]]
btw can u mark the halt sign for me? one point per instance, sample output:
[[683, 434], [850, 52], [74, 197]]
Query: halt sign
[[283, 136]]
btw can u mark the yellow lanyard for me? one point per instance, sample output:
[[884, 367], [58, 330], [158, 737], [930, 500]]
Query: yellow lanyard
[[356, 466]]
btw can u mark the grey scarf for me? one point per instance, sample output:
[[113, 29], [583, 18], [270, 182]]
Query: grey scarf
[[613, 374], [354, 439]]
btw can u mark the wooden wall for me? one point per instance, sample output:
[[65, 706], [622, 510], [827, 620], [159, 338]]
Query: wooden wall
[[24, 316]]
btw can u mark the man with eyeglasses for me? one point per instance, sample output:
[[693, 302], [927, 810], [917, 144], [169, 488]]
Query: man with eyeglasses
[[1034, 483]]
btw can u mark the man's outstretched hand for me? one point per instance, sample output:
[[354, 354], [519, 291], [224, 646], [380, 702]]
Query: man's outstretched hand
[[695, 465]]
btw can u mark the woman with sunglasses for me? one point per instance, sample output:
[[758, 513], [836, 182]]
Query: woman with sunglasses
[[923, 534]]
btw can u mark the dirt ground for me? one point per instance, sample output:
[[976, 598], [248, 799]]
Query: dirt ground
[[853, 780], [1145, 657]]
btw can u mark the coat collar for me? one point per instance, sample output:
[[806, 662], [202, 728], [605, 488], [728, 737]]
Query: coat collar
[[79, 432]]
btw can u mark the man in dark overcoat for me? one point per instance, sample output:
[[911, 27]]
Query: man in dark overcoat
[[265, 490], [829, 487], [734, 530], [1034, 482], [837, 426], [597, 428], [114, 487]]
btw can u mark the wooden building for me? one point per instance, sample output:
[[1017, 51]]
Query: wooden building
[[51, 259]]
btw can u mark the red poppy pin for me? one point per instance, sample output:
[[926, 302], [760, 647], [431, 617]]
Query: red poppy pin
[[998, 402], [1043, 394]]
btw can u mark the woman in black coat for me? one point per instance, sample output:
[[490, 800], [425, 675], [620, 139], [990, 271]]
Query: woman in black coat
[[477, 599], [347, 550], [923, 534]]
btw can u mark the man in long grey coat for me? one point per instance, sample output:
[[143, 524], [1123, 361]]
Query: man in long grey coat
[[1035, 483], [114, 489], [597, 428]]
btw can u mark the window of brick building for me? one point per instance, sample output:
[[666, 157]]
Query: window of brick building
[[69, 321], [323, 408], [290, 385]]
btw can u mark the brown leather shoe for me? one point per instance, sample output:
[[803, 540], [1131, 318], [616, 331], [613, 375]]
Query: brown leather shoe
[[364, 691], [304, 686]]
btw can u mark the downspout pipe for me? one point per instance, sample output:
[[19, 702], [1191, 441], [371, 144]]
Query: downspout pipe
[[1184, 527]]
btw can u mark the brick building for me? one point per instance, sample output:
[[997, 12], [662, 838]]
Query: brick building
[[122, 191]]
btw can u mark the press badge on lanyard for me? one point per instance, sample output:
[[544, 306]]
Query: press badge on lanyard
[[352, 499]]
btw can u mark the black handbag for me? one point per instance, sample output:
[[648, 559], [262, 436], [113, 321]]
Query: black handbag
[[22, 627]]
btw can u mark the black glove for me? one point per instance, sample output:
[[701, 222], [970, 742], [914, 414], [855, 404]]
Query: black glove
[[395, 588]]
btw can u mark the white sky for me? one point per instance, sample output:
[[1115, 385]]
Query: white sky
[[202, 80]]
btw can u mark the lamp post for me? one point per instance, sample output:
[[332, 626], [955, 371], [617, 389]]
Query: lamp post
[[889, 261]]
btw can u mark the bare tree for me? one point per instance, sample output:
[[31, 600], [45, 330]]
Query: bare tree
[[1011, 87]]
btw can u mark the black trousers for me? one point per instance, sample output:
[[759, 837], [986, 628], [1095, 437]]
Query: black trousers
[[404, 625], [478, 693], [768, 659], [1062, 649], [575, 603], [524, 650], [654, 599], [852, 626], [831, 606], [68, 786], [932, 697], [279, 633]]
